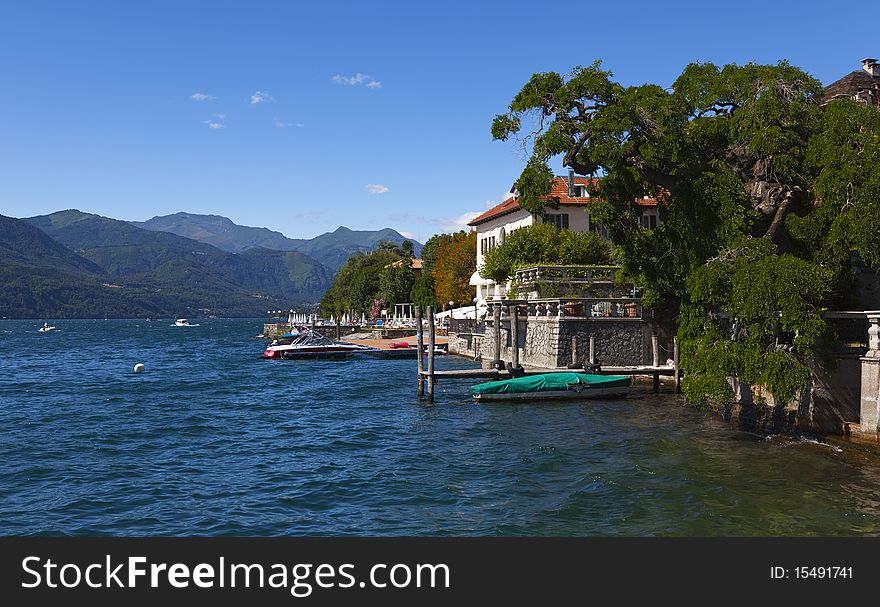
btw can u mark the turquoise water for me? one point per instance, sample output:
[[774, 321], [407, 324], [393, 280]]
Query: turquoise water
[[213, 441]]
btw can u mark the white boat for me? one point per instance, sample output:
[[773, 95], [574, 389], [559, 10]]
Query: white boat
[[47, 327], [182, 322], [310, 344]]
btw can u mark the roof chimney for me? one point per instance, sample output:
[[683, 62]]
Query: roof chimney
[[571, 183], [871, 66]]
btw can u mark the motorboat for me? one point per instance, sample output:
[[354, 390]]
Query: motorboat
[[310, 344], [46, 328], [545, 386], [182, 322]]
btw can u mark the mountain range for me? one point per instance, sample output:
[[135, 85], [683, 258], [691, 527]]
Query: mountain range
[[332, 248], [76, 264]]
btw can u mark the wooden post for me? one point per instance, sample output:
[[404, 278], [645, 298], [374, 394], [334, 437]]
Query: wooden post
[[514, 337], [655, 346], [431, 338], [675, 365], [420, 344], [338, 333], [496, 320], [574, 354], [592, 350]]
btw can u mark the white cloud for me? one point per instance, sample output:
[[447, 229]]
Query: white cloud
[[202, 97], [377, 188], [219, 116], [461, 222], [357, 80], [214, 125], [409, 235], [260, 97], [280, 124]]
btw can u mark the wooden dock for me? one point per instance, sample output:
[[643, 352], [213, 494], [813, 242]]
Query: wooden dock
[[505, 374], [385, 344], [428, 376]]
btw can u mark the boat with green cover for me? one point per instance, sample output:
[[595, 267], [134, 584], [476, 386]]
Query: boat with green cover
[[553, 386]]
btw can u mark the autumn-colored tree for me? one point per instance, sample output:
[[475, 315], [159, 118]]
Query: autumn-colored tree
[[456, 261]]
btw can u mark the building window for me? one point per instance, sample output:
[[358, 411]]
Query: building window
[[579, 191], [560, 220], [648, 220], [599, 229]]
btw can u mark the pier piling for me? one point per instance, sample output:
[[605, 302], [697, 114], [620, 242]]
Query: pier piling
[[514, 338], [496, 321], [431, 341], [420, 344], [592, 350], [675, 365], [655, 348], [574, 354]]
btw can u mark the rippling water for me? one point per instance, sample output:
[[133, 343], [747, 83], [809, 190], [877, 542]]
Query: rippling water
[[211, 440]]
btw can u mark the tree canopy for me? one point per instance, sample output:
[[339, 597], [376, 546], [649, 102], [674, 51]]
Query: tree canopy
[[456, 261], [544, 243], [764, 197], [357, 284]]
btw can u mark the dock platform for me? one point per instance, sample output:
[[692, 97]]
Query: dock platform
[[382, 347], [504, 374]]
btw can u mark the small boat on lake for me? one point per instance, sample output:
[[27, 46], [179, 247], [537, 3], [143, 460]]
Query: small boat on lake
[[312, 345], [46, 328], [553, 386], [182, 322]]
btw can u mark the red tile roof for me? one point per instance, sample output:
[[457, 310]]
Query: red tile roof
[[559, 190]]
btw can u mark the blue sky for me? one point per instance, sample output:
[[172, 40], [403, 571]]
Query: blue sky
[[315, 115]]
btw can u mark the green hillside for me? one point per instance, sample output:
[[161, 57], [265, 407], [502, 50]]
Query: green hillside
[[332, 248], [220, 232], [74, 264]]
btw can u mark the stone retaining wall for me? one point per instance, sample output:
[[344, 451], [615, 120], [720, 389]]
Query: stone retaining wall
[[471, 345], [547, 341]]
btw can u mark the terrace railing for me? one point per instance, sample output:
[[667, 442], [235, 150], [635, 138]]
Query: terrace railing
[[567, 274]]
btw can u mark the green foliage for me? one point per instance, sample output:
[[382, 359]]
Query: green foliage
[[357, 284], [768, 202], [396, 282], [429, 251], [773, 329], [544, 243], [423, 293]]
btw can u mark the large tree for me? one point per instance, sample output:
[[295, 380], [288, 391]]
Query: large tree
[[357, 284], [456, 261], [764, 194]]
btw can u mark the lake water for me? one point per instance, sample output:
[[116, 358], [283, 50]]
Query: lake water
[[213, 441]]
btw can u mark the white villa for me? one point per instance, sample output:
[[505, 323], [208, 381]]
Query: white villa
[[573, 214]]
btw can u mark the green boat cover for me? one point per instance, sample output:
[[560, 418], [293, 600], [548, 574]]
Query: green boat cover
[[547, 382]]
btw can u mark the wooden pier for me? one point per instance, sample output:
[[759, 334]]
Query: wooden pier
[[492, 374], [428, 375]]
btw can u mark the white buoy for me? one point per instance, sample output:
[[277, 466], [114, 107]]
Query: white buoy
[[139, 368]]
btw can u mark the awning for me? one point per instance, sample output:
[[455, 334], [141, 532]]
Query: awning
[[478, 281]]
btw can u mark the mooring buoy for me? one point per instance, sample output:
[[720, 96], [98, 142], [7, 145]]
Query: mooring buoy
[[139, 368]]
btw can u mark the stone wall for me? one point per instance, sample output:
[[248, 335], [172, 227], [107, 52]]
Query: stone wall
[[471, 345], [830, 406], [547, 341], [835, 398]]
